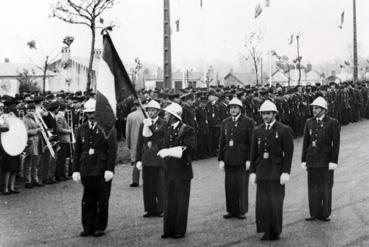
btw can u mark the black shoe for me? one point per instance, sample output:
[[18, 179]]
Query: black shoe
[[178, 236], [266, 236], [165, 235], [311, 218], [38, 184], [15, 191], [228, 216], [133, 185], [274, 237], [86, 233], [241, 216], [5, 193], [148, 215], [28, 186], [99, 233], [327, 219], [50, 182]]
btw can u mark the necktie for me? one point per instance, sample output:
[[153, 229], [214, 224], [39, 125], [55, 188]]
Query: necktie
[[268, 127]]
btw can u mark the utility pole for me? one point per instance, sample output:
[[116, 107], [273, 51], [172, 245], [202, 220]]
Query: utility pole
[[355, 45], [167, 47]]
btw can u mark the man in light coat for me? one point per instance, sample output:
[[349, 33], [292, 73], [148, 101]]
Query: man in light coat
[[134, 120]]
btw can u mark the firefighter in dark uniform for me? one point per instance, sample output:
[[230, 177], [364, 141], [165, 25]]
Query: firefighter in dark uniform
[[93, 165], [150, 141], [189, 117], [179, 143], [319, 157], [271, 158], [215, 117], [203, 131], [234, 150]]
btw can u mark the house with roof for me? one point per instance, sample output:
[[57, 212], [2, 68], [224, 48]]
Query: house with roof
[[71, 72], [10, 73], [291, 78], [242, 79]]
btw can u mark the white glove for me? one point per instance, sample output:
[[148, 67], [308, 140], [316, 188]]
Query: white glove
[[139, 165], [252, 178], [303, 165], [146, 131], [163, 153], [147, 122], [108, 175], [285, 177], [175, 152], [248, 165], [332, 166], [76, 177], [221, 165]]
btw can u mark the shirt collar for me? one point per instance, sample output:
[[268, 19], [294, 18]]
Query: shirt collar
[[155, 119], [320, 118], [270, 124], [236, 117], [91, 125], [175, 125]]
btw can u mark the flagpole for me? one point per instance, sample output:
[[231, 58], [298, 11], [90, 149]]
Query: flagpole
[[355, 75]]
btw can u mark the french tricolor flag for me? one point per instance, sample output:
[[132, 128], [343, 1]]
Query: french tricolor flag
[[113, 86]]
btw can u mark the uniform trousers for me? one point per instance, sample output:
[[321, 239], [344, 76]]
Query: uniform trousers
[[236, 189], [176, 202], [153, 189], [95, 203], [320, 183], [214, 140], [30, 168], [60, 163], [135, 174], [269, 206]]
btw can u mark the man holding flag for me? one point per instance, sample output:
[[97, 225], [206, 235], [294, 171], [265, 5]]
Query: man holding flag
[[96, 141]]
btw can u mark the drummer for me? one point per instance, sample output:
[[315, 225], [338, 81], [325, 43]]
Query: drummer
[[10, 164]]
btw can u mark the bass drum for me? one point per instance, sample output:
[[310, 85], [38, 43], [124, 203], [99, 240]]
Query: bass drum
[[14, 141]]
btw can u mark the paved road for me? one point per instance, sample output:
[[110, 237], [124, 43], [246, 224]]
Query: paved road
[[50, 216]]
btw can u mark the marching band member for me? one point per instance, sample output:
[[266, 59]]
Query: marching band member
[[179, 142], [33, 149], [93, 164], [271, 158]]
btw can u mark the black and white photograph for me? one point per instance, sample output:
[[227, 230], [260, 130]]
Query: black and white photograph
[[184, 123]]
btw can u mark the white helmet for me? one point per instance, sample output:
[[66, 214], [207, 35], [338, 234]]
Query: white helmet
[[268, 106], [235, 101], [90, 105], [153, 104], [321, 102], [174, 109]]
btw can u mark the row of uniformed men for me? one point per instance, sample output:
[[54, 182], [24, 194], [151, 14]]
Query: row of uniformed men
[[261, 154]]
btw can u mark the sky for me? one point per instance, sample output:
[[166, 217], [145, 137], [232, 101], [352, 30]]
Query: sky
[[214, 33]]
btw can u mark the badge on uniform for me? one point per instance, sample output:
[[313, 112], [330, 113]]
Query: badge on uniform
[[266, 155], [91, 151], [259, 141], [213, 115], [313, 144], [276, 135], [310, 131], [149, 144], [231, 143], [83, 139]]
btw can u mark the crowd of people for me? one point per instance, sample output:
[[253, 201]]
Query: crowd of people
[[178, 127]]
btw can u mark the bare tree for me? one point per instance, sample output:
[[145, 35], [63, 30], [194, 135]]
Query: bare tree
[[252, 43], [85, 12], [41, 61]]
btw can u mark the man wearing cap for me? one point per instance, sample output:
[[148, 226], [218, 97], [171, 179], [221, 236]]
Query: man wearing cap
[[320, 157], [179, 143], [234, 150], [134, 120], [271, 158], [93, 166], [150, 141]]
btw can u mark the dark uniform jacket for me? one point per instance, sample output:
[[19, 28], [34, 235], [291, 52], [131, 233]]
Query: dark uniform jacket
[[189, 116], [105, 151], [216, 114], [179, 169], [321, 142], [148, 147], [271, 151], [202, 120], [235, 140]]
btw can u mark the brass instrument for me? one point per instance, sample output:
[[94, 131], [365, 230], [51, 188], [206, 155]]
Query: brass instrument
[[45, 133]]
